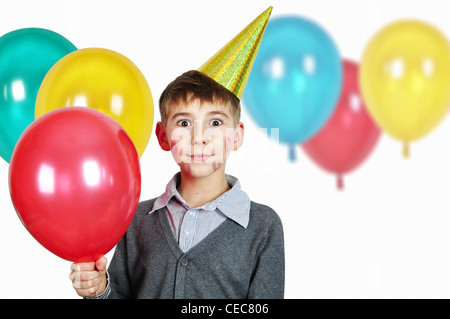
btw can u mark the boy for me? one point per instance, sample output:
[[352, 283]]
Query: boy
[[202, 238]]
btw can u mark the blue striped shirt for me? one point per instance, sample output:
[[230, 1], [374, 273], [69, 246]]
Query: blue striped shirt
[[191, 225]]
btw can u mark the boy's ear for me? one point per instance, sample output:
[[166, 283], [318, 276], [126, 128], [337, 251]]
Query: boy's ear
[[162, 136], [238, 136]]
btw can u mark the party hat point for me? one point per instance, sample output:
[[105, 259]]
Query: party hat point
[[231, 65]]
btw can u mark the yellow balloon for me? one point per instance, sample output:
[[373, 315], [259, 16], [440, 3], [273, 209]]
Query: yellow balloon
[[103, 80], [405, 79]]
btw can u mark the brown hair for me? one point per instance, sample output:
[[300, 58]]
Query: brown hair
[[196, 85]]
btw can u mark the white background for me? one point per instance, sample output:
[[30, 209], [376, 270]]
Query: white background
[[387, 235]]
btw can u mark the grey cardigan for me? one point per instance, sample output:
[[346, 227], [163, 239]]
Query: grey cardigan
[[231, 262]]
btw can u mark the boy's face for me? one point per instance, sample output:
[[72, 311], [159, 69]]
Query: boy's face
[[200, 136]]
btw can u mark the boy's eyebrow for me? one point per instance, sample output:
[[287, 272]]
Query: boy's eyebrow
[[180, 114], [218, 113], [186, 114]]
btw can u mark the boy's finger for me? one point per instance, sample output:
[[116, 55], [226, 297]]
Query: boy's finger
[[86, 284], [100, 264], [84, 275], [83, 266], [89, 292]]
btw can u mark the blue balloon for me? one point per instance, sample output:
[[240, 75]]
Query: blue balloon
[[295, 81], [26, 55]]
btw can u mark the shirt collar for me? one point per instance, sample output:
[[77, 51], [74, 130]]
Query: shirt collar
[[171, 191], [235, 203]]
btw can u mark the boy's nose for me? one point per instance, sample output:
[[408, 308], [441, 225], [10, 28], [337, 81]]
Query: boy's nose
[[198, 136]]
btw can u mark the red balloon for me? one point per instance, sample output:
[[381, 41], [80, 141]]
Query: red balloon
[[349, 136], [75, 182]]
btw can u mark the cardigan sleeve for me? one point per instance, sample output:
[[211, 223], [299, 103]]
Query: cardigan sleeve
[[118, 283], [268, 277]]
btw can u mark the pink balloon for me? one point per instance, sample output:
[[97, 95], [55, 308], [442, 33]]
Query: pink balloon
[[75, 182], [349, 136]]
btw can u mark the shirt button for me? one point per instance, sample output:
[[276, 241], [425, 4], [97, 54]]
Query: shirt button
[[183, 262]]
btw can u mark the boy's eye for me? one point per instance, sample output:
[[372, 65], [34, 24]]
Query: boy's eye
[[215, 122], [183, 123]]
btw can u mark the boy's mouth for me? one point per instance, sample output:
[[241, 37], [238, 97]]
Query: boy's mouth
[[200, 157]]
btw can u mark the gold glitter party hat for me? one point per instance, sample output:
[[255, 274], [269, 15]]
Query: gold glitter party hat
[[231, 66]]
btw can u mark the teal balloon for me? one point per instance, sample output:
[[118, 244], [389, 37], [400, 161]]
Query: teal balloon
[[295, 81], [26, 55]]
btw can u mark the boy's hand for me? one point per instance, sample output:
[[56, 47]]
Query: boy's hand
[[89, 279]]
